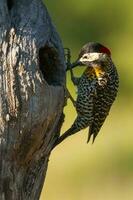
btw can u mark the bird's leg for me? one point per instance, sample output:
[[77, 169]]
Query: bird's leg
[[68, 63], [74, 79], [71, 98], [67, 58]]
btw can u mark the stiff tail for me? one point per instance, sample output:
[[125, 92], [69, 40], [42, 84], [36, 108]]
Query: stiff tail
[[94, 129], [93, 135], [69, 132]]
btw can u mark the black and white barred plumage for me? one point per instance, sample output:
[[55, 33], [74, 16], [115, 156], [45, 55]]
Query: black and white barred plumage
[[97, 90]]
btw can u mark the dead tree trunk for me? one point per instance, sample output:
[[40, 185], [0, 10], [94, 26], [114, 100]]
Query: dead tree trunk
[[32, 79]]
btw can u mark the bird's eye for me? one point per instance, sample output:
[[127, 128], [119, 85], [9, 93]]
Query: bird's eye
[[85, 57]]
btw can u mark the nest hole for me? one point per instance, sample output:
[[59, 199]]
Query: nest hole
[[50, 66]]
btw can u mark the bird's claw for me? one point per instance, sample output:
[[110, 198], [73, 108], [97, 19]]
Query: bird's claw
[[68, 58]]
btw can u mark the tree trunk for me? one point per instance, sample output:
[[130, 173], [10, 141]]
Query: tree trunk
[[32, 80]]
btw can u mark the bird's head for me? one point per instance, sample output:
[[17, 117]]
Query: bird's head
[[92, 54]]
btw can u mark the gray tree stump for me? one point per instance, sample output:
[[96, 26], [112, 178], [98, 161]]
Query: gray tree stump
[[32, 80]]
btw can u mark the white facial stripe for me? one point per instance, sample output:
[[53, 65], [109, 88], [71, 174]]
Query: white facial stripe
[[89, 57]]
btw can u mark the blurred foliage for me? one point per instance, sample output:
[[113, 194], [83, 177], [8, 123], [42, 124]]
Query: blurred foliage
[[104, 170]]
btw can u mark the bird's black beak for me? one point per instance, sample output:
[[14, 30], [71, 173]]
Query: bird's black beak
[[74, 64], [77, 63]]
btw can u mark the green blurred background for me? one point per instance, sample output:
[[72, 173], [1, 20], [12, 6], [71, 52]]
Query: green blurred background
[[103, 171]]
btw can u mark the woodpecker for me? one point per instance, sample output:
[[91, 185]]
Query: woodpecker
[[97, 89]]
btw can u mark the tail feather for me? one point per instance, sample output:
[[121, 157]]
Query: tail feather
[[69, 132], [89, 137], [93, 131]]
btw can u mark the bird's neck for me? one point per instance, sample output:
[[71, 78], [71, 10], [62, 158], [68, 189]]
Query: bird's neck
[[96, 71], [99, 71]]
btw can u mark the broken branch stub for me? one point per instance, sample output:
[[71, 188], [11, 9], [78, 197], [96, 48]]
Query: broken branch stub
[[32, 80]]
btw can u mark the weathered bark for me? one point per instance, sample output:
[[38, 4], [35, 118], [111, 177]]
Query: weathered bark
[[32, 79]]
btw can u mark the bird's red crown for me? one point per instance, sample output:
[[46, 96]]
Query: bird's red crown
[[105, 50]]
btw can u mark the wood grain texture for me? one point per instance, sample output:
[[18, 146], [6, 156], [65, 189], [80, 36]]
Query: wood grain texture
[[32, 81]]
